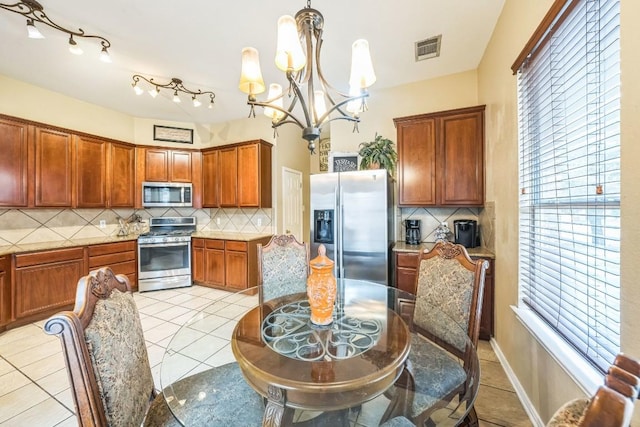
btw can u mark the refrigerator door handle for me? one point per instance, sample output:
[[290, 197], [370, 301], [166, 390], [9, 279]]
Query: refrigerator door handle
[[340, 234]]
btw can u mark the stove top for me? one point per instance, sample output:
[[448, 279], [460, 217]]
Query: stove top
[[169, 229]]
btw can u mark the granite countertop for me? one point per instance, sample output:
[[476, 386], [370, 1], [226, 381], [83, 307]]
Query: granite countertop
[[401, 246], [230, 235], [63, 244]]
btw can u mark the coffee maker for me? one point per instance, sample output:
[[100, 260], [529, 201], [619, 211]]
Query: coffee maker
[[466, 232], [412, 231]]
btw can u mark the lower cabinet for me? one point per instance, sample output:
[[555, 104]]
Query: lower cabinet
[[226, 264], [5, 291], [119, 256], [45, 282], [407, 270]]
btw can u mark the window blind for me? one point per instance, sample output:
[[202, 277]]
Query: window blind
[[569, 124]]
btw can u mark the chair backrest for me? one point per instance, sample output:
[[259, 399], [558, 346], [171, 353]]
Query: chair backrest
[[449, 280], [105, 352], [283, 266]]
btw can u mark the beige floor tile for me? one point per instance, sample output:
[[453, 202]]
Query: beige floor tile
[[154, 308], [24, 338], [66, 399], [160, 332], [485, 351], [150, 322], [500, 407], [12, 381], [204, 349], [35, 354], [196, 303], [492, 373], [55, 382], [181, 320], [207, 323], [180, 298], [48, 412], [69, 422], [20, 400], [44, 367], [222, 357], [5, 367], [172, 313]]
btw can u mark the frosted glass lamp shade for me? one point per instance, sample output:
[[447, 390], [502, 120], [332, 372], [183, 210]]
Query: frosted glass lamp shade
[[251, 76], [275, 95], [289, 52], [319, 103], [362, 74]]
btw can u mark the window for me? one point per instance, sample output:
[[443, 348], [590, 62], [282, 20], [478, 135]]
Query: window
[[569, 123]]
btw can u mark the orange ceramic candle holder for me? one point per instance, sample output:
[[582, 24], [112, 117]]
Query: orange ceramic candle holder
[[321, 288]]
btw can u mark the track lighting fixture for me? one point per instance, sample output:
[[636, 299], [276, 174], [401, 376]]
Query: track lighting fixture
[[175, 85], [34, 13]]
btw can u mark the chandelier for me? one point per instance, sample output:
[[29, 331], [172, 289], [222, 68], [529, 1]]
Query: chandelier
[[298, 55], [174, 85], [34, 12]]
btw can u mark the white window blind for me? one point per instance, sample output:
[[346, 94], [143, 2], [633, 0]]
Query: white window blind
[[569, 123]]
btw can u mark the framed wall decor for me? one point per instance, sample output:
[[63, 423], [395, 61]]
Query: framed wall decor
[[343, 162], [172, 134]]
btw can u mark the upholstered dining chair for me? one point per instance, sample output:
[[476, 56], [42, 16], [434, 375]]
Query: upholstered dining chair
[[107, 364], [283, 266], [451, 281]]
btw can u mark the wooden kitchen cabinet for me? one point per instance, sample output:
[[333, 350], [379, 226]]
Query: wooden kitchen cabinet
[[14, 140], [441, 158], [167, 165], [91, 169], [237, 175], [121, 175], [5, 291], [121, 257], [45, 282], [406, 271], [226, 264], [54, 179]]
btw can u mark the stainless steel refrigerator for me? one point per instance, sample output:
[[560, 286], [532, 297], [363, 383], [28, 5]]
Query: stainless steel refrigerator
[[352, 215]]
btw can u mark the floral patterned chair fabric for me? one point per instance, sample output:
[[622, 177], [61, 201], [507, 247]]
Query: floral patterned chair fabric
[[283, 266], [449, 280], [107, 363]]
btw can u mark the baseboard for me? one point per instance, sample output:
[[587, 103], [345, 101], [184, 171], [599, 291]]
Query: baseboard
[[522, 395]]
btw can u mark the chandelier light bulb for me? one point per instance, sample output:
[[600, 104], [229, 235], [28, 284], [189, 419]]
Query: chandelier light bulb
[[319, 104], [275, 95], [210, 105], [196, 102], [289, 52], [73, 47], [154, 92], [176, 98], [32, 30]]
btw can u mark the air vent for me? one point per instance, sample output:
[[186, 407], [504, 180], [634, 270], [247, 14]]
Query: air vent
[[428, 48]]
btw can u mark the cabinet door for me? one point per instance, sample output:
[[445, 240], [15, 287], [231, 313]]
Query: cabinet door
[[461, 154], [13, 163], [406, 271], [197, 259], [156, 164], [180, 166], [228, 177], [417, 163], [54, 168], [5, 291], [214, 261], [236, 269], [249, 176], [210, 183], [91, 167], [121, 176]]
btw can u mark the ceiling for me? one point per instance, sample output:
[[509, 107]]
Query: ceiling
[[200, 42]]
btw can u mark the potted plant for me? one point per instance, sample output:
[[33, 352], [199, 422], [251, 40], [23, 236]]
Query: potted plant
[[378, 154]]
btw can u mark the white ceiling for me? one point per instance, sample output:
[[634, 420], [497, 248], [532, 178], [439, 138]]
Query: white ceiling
[[200, 41]]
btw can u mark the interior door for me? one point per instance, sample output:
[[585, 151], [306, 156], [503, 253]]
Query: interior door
[[292, 206]]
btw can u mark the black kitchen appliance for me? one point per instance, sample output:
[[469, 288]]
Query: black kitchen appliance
[[412, 231], [465, 232]]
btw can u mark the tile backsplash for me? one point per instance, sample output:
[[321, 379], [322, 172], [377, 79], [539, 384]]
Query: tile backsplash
[[432, 217], [24, 226]]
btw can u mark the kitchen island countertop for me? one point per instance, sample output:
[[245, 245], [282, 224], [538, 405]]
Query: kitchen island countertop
[[63, 244], [401, 246], [229, 235]]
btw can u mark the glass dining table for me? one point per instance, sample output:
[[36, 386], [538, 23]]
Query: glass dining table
[[362, 368]]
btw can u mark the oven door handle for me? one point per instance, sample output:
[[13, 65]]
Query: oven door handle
[[164, 245]]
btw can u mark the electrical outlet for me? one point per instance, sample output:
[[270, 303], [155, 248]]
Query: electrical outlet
[[259, 222], [217, 221], [103, 223]]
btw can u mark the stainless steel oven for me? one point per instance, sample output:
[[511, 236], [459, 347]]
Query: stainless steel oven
[[164, 254]]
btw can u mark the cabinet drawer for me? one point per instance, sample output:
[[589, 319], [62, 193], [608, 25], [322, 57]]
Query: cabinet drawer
[[214, 244], [197, 243], [236, 246], [127, 267], [112, 248], [109, 259], [407, 260], [47, 257]]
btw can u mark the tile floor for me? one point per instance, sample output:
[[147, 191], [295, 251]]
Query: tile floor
[[34, 389]]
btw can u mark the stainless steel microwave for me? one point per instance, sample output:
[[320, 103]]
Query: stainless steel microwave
[[164, 194]]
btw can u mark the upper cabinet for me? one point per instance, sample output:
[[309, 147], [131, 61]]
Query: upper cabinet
[[441, 158], [14, 139], [121, 175], [53, 168], [91, 167], [237, 175], [167, 165]]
